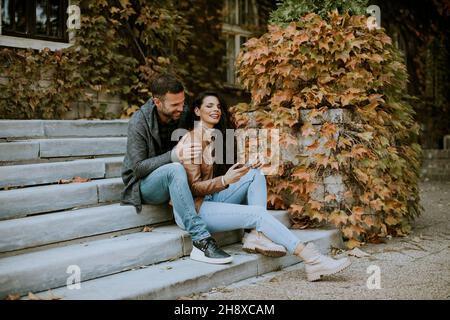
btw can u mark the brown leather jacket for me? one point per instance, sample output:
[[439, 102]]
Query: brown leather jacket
[[200, 173]]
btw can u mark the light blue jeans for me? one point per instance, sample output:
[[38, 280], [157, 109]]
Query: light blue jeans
[[170, 182], [243, 206]]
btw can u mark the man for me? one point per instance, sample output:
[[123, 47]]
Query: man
[[151, 170]]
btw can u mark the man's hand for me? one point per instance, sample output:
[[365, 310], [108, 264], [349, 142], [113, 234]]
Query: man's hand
[[188, 152]]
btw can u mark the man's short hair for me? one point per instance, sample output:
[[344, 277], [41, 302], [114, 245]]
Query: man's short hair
[[165, 83]]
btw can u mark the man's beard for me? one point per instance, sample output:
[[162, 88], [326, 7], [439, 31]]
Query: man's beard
[[170, 116]]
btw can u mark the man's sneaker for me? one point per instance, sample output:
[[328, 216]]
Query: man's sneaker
[[206, 250], [318, 265], [257, 242]]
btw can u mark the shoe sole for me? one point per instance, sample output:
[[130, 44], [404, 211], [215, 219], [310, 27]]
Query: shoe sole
[[268, 253], [198, 255], [316, 276]]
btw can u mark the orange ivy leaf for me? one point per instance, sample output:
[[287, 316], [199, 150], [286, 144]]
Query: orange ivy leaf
[[358, 150], [308, 130], [352, 243], [328, 129], [313, 146], [348, 194], [338, 217], [369, 220], [358, 211], [295, 208], [376, 204], [391, 221], [331, 144], [310, 187], [321, 160], [273, 198], [302, 174], [297, 188], [315, 205]]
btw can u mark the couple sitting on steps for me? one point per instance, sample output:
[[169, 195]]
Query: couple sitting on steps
[[206, 197]]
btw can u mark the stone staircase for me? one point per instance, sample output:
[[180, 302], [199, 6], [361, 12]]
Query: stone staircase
[[49, 229], [435, 165]]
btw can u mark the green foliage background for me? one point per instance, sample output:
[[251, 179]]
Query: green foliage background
[[120, 46], [291, 10]]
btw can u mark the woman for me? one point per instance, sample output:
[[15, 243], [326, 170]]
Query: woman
[[238, 198]]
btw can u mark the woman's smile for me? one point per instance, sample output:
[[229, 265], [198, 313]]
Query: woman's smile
[[209, 111], [215, 116]]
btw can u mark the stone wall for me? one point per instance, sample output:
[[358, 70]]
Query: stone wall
[[329, 183], [110, 105]]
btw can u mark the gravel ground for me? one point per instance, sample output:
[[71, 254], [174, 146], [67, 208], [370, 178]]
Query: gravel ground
[[412, 267]]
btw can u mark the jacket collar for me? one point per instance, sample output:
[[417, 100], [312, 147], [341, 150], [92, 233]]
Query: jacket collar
[[149, 111]]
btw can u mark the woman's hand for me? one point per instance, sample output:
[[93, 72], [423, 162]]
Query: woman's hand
[[235, 173], [256, 165]]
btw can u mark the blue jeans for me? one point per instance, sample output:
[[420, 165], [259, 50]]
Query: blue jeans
[[243, 206], [170, 182]]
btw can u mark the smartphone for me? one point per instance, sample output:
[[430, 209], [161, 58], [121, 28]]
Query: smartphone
[[247, 164]]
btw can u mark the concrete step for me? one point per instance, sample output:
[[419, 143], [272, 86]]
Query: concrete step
[[53, 148], [18, 234], [436, 154], [23, 202], [182, 277], [436, 163], [45, 173], [18, 274], [435, 177], [47, 269], [11, 129]]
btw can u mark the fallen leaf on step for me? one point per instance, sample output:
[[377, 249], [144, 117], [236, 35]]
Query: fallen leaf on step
[[74, 180], [13, 296], [32, 296], [336, 251], [184, 298], [51, 296], [147, 229], [376, 240], [356, 252]]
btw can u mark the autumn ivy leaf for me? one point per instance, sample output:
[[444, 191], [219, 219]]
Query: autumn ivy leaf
[[308, 130], [358, 211], [314, 205], [352, 243], [295, 208], [338, 218], [302, 174], [328, 129], [313, 146], [367, 136], [276, 201], [391, 220], [376, 204], [358, 150]]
